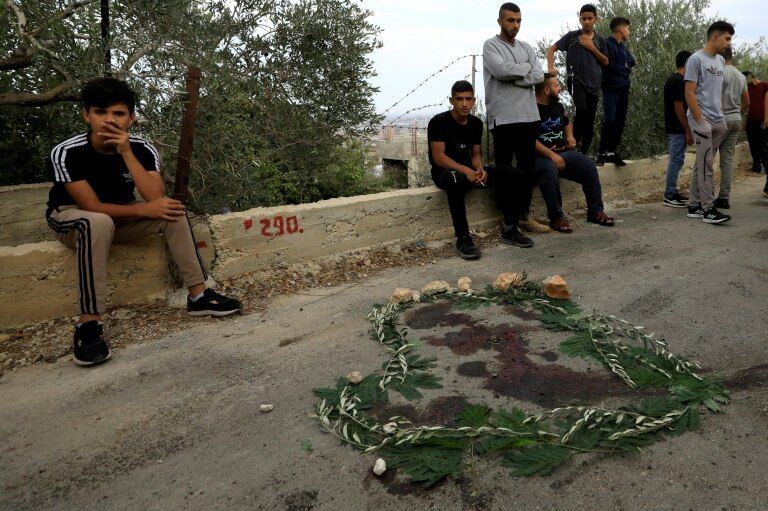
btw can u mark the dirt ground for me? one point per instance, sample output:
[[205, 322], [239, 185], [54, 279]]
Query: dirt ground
[[173, 421]]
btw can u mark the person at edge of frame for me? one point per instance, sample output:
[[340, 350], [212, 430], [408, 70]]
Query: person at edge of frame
[[585, 59], [557, 159], [704, 93], [510, 71], [756, 125], [615, 85], [454, 139], [92, 204]]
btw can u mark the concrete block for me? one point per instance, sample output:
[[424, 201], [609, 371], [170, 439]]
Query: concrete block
[[40, 279], [22, 214]]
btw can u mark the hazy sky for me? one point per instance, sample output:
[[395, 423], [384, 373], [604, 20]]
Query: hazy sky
[[422, 36]]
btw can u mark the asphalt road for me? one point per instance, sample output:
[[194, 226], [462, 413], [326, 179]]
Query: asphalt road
[[174, 424]]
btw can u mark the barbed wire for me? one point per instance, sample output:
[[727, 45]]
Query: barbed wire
[[413, 110], [426, 80]]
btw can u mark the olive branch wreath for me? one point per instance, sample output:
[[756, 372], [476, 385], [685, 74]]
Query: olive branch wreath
[[529, 444]]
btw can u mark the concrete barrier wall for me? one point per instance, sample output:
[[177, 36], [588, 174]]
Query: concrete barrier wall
[[38, 273], [269, 237]]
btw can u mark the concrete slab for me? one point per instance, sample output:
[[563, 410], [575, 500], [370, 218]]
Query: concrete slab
[[174, 424]]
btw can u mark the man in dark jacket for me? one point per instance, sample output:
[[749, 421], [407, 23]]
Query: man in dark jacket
[[615, 87], [585, 58]]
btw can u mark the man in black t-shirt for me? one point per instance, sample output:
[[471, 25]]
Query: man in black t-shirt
[[586, 56], [457, 166], [676, 127], [556, 158], [92, 204]]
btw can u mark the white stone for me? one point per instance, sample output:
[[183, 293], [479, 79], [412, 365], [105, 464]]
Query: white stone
[[264, 408], [390, 428], [380, 466], [354, 377]]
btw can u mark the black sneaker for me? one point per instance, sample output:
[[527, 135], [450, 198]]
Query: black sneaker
[[467, 248], [600, 161], [722, 203], [713, 216], [89, 346], [513, 236], [695, 212], [676, 201], [213, 304], [616, 160]]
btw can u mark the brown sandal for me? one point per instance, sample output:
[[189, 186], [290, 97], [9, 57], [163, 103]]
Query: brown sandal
[[602, 219], [561, 225]]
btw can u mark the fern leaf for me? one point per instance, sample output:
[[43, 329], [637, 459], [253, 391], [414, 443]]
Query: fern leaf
[[408, 388], [474, 416], [425, 464], [580, 345], [539, 460], [493, 444]]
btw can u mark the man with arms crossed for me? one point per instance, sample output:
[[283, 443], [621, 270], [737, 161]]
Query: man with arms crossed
[[585, 59], [615, 86], [735, 103], [703, 92], [510, 70], [92, 204], [557, 159], [678, 131], [457, 166]]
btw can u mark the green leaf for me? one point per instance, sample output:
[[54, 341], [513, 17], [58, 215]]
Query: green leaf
[[656, 406], [586, 438], [414, 381], [306, 446], [469, 303], [580, 345], [689, 421], [417, 362], [474, 416], [630, 443], [499, 443], [424, 464], [368, 391], [555, 320], [447, 443], [539, 460]]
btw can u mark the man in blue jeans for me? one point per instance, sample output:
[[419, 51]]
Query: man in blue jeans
[[678, 131], [556, 158]]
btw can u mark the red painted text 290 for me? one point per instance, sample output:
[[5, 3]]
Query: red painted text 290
[[280, 226]]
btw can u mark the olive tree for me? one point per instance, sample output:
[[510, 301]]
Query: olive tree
[[285, 93]]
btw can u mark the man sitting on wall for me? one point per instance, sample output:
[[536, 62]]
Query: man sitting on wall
[[92, 204], [457, 166], [557, 158]]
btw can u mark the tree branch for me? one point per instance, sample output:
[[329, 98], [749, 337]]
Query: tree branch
[[63, 92], [62, 15], [138, 55], [16, 62]]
